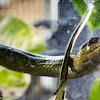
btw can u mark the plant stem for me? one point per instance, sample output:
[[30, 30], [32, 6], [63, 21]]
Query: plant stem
[[67, 58]]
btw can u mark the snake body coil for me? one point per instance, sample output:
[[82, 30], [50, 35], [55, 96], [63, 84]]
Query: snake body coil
[[86, 61]]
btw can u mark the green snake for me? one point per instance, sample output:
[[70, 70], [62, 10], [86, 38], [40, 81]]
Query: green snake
[[84, 62]]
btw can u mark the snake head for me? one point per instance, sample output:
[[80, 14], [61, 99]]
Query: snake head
[[87, 59], [91, 41]]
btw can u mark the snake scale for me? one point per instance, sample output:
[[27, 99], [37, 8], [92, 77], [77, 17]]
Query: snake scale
[[84, 62]]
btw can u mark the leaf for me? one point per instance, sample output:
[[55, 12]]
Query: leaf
[[95, 90], [19, 34], [11, 78], [94, 21]]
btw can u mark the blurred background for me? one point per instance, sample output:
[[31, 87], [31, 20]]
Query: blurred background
[[45, 26]]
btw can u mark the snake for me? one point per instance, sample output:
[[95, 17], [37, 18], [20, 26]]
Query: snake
[[84, 62]]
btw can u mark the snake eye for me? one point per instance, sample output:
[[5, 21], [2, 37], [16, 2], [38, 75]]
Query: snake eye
[[91, 41], [94, 40]]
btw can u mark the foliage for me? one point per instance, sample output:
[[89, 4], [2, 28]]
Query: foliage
[[17, 33], [94, 21], [38, 48], [95, 90], [11, 78]]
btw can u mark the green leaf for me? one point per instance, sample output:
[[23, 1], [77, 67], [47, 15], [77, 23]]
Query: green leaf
[[94, 21], [19, 34], [95, 90], [11, 78]]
